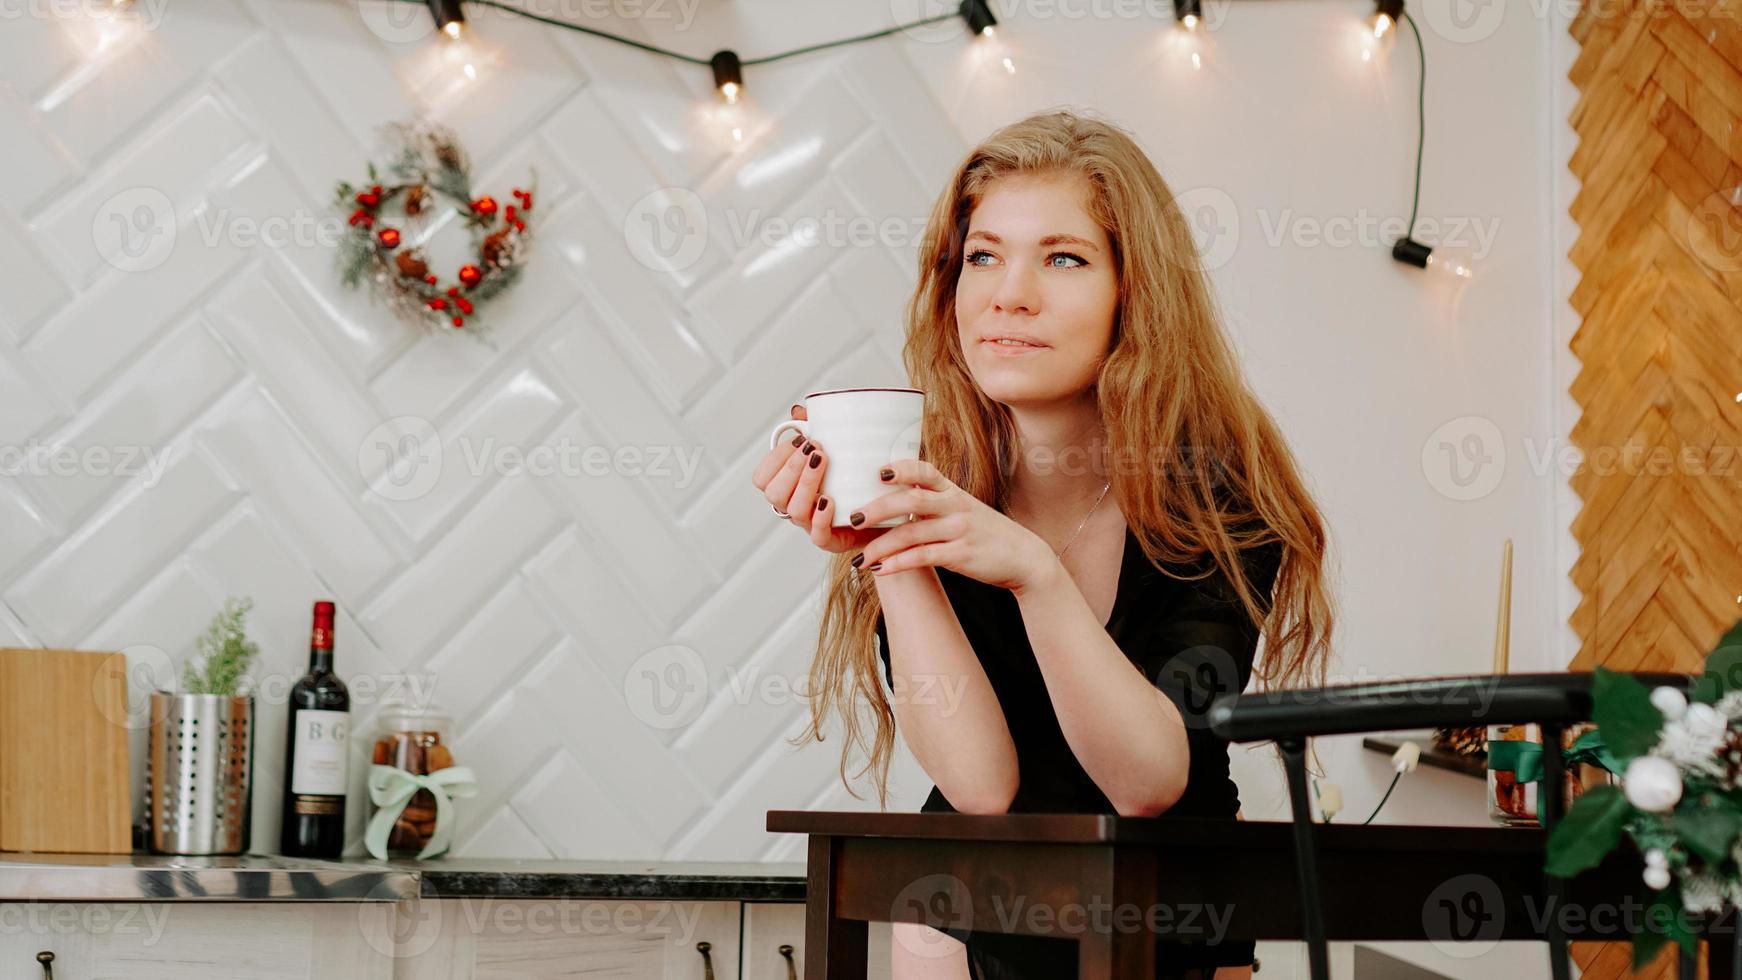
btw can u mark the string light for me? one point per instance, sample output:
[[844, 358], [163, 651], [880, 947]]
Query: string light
[[1455, 265], [978, 14], [1186, 37], [449, 18], [1385, 17], [728, 75], [1189, 13], [728, 69]]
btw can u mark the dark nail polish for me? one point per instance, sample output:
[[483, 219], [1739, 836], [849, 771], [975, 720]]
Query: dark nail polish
[[887, 474], [798, 440], [858, 560], [816, 460], [858, 518], [875, 566], [806, 448], [822, 502]]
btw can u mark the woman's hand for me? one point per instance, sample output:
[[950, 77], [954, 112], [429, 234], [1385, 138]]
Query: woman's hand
[[951, 529], [790, 477]]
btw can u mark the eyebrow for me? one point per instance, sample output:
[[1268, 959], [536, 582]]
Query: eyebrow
[[1048, 241]]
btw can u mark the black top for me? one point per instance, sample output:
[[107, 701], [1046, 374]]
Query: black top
[[1192, 640]]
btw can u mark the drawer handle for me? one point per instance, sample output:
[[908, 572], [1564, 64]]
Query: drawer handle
[[791, 969], [46, 958], [707, 961]]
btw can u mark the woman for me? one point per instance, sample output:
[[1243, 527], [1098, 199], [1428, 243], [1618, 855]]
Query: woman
[[1104, 519]]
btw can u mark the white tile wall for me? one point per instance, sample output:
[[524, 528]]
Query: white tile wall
[[532, 599]]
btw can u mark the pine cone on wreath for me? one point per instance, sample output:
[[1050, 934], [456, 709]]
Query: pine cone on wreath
[[1465, 740], [496, 248], [411, 265]]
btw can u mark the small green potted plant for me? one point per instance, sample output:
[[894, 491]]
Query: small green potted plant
[[202, 742]]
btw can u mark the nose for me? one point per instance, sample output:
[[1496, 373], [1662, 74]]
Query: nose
[[1017, 291]]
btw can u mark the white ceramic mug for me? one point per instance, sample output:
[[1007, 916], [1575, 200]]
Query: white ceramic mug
[[859, 430]]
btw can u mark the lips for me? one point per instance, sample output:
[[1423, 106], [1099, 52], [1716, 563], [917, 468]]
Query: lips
[[1021, 339]]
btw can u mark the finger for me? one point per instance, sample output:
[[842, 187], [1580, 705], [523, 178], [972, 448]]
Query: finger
[[810, 485], [798, 412], [898, 539], [774, 459], [930, 554], [898, 503], [780, 488], [914, 473], [822, 524]]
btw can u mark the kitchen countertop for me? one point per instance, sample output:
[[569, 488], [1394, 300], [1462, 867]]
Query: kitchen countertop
[[262, 877]]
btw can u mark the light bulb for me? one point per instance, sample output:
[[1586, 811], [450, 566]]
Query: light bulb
[[1452, 263], [728, 76], [1380, 24]]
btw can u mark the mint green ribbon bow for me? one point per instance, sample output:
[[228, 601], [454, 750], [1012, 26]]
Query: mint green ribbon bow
[[1524, 759], [392, 788]]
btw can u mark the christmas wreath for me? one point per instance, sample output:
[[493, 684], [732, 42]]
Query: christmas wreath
[[390, 212]]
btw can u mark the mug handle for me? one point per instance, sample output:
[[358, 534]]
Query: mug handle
[[802, 425]]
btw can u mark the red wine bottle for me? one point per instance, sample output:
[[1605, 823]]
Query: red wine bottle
[[317, 752]]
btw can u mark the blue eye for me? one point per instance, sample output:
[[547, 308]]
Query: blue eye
[[1076, 259], [975, 256]]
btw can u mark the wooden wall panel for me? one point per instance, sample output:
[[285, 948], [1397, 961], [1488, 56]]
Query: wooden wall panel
[[1659, 252]]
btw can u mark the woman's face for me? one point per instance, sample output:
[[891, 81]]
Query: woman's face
[[1036, 268]]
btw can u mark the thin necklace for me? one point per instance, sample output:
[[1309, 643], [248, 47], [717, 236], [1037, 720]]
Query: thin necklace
[[1061, 552]]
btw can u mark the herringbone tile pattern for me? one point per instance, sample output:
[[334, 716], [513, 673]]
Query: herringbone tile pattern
[[536, 600]]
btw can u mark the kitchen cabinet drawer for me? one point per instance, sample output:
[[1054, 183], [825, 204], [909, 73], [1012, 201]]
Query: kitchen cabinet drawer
[[771, 925], [198, 940], [529, 939]]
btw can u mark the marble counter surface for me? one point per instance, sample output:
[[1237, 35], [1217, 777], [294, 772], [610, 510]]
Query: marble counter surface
[[258, 878]]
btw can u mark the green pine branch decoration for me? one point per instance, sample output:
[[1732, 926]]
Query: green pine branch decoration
[[225, 653], [1679, 802]]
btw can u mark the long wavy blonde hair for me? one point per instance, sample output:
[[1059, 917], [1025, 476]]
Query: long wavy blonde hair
[[1170, 379]]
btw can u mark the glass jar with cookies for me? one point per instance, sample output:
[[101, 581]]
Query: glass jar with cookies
[[413, 738]]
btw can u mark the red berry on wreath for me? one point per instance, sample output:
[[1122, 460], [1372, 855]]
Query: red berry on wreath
[[369, 199], [438, 304], [470, 275], [453, 290], [430, 279], [485, 205], [464, 304], [357, 217], [389, 237], [508, 214], [458, 322]]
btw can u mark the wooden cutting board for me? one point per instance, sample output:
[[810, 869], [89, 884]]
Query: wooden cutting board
[[64, 783]]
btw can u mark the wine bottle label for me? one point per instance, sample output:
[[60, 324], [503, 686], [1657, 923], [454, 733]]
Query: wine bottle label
[[321, 752], [317, 806]]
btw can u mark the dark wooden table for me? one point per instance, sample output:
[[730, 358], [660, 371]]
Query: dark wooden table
[[1180, 877]]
